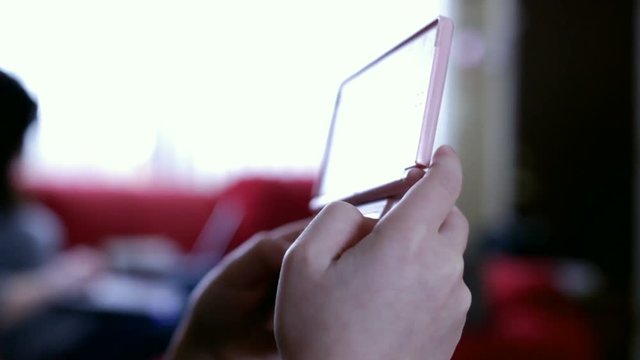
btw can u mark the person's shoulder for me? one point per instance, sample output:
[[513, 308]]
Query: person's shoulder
[[35, 211], [40, 221], [30, 234]]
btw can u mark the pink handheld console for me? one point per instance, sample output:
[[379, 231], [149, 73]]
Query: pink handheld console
[[384, 123]]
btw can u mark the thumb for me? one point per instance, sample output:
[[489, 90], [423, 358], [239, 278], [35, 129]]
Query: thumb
[[259, 258], [338, 227], [256, 261]]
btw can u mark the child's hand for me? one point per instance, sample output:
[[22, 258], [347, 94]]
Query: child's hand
[[353, 289], [231, 314]]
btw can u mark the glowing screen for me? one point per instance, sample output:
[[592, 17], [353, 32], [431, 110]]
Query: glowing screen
[[378, 119]]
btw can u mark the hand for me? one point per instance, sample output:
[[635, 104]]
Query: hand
[[353, 289], [27, 293], [231, 313], [72, 271]]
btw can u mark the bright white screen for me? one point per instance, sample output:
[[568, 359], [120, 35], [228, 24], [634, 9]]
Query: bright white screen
[[381, 106]]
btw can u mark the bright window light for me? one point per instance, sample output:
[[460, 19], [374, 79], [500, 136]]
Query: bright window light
[[190, 90]]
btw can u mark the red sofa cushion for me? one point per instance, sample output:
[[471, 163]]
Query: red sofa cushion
[[91, 214], [529, 318], [266, 204]]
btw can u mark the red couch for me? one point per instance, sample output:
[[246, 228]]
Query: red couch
[[91, 214], [528, 317]]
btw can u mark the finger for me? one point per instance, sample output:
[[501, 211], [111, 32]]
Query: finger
[[259, 258], [425, 206], [338, 226], [256, 261], [455, 229], [278, 241], [284, 236], [289, 232]]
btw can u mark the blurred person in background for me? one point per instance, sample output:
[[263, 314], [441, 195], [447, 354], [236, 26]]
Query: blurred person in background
[[34, 273]]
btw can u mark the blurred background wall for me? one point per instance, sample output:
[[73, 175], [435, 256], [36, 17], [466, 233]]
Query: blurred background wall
[[575, 141], [542, 98], [480, 107]]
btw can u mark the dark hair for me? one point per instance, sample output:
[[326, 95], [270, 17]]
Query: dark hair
[[17, 111]]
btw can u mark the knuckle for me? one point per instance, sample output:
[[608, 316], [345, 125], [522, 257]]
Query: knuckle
[[395, 237], [286, 266], [342, 209], [456, 269], [259, 237], [459, 237], [297, 256], [263, 242], [462, 220], [451, 271], [257, 243], [449, 182], [263, 238], [289, 261], [466, 298]]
